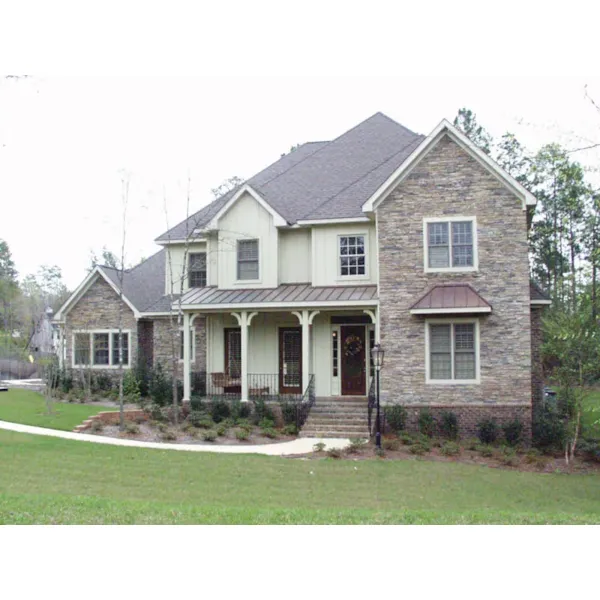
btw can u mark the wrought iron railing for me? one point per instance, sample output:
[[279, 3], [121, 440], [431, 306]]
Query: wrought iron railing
[[306, 403]]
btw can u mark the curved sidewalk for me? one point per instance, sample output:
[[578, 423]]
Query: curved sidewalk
[[299, 446]]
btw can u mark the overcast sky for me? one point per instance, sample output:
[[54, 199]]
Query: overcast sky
[[65, 142]]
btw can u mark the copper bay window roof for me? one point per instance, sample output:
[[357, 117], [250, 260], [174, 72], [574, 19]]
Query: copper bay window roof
[[451, 299]]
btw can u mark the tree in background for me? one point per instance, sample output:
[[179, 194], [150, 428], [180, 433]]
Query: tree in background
[[9, 287], [466, 121], [107, 259], [226, 186]]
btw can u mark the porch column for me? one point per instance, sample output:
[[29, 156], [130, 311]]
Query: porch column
[[187, 367], [375, 321], [306, 318], [244, 318]]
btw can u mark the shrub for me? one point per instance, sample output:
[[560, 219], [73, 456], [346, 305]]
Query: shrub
[[406, 439], [196, 404], [548, 429], [159, 386], [288, 412], [219, 410], [245, 424], [270, 432], [485, 450], [356, 445], [420, 448], [242, 434], [449, 425], [589, 449], [450, 449], [195, 417], [532, 455], [221, 430], [168, 435], [290, 430], [390, 444], [513, 431], [245, 410], [101, 382], [267, 424], [508, 457], [65, 380], [154, 411], [426, 422], [205, 423], [210, 435], [380, 452], [142, 375], [395, 416], [319, 447], [132, 428], [334, 453], [96, 426], [471, 443], [261, 411], [162, 427], [131, 386], [487, 431]]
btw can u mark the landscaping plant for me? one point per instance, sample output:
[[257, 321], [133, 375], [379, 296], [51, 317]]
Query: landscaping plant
[[395, 416], [426, 422]]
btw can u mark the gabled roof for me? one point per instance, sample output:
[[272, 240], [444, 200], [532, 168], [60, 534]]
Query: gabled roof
[[537, 295], [143, 285], [452, 298], [427, 144], [322, 180]]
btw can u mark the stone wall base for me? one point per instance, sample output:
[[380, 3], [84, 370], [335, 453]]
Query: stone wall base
[[110, 418], [469, 415]]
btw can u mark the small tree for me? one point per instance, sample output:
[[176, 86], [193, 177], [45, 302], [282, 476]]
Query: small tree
[[572, 344]]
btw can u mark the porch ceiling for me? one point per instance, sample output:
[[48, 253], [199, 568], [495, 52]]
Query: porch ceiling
[[291, 294]]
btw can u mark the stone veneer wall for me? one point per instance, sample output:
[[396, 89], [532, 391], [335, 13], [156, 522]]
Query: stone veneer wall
[[448, 182], [98, 308], [537, 367], [162, 349]]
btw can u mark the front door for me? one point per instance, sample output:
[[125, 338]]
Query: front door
[[354, 382], [290, 360]]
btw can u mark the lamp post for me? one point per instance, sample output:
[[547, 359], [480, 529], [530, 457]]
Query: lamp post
[[377, 353]]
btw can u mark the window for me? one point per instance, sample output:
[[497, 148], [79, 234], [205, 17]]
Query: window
[[192, 345], [81, 350], [371, 344], [115, 348], [352, 255], [450, 244], [197, 269], [335, 349], [247, 260], [100, 349], [233, 352], [452, 349]]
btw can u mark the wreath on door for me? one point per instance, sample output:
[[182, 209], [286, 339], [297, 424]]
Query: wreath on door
[[352, 345]]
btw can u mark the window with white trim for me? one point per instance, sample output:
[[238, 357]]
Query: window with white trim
[[450, 244], [453, 351], [100, 349], [352, 255], [197, 269], [247, 260]]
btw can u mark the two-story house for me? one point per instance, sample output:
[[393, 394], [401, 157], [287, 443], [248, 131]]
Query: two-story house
[[378, 236]]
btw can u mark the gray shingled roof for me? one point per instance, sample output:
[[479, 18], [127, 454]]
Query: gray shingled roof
[[324, 180], [144, 285], [303, 292], [536, 292]]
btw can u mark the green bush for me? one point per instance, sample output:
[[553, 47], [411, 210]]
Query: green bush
[[197, 404], [485, 450], [290, 430], [142, 375], [242, 434], [419, 448], [487, 431], [210, 435], [221, 430], [270, 432], [245, 423], [132, 428], [219, 410], [548, 428], [395, 417], [390, 444], [406, 439], [131, 386], [267, 424], [154, 411], [471, 443], [380, 452], [334, 453], [159, 386], [168, 435], [261, 411], [426, 422], [319, 447], [508, 456], [449, 425], [513, 431], [196, 416], [101, 382], [65, 379], [204, 423], [589, 449], [356, 445], [288, 412], [450, 449]]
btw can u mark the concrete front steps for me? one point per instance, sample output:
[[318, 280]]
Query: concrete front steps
[[338, 417]]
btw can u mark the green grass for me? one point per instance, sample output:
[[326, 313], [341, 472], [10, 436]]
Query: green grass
[[48, 480], [29, 408]]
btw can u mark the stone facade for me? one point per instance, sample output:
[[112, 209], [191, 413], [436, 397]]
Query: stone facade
[[162, 344], [449, 182], [537, 368], [98, 308]]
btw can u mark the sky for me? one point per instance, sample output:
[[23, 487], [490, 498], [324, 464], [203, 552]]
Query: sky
[[68, 143]]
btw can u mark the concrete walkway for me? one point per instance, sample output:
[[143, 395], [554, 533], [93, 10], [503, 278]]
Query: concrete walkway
[[298, 446]]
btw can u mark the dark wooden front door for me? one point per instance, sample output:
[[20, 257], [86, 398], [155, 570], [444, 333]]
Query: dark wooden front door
[[354, 381], [290, 360]]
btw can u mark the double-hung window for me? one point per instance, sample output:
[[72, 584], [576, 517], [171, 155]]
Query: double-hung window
[[247, 260], [352, 256], [100, 349], [450, 244], [453, 349], [124, 345], [197, 269]]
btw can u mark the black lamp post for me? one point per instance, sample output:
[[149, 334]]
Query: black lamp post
[[377, 353]]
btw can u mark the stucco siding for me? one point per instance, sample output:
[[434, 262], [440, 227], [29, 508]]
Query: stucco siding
[[295, 256]]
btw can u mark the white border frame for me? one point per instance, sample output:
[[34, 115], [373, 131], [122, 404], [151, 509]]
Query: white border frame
[[450, 269], [477, 380], [246, 281], [91, 333], [187, 270], [339, 276]]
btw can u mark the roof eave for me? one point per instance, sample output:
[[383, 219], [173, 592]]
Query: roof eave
[[450, 311]]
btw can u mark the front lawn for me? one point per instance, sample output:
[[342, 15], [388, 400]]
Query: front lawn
[[29, 408], [48, 480]]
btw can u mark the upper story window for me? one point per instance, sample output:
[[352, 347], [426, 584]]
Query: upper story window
[[352, 255], [197, 269], [247, 260], [450, 244]]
